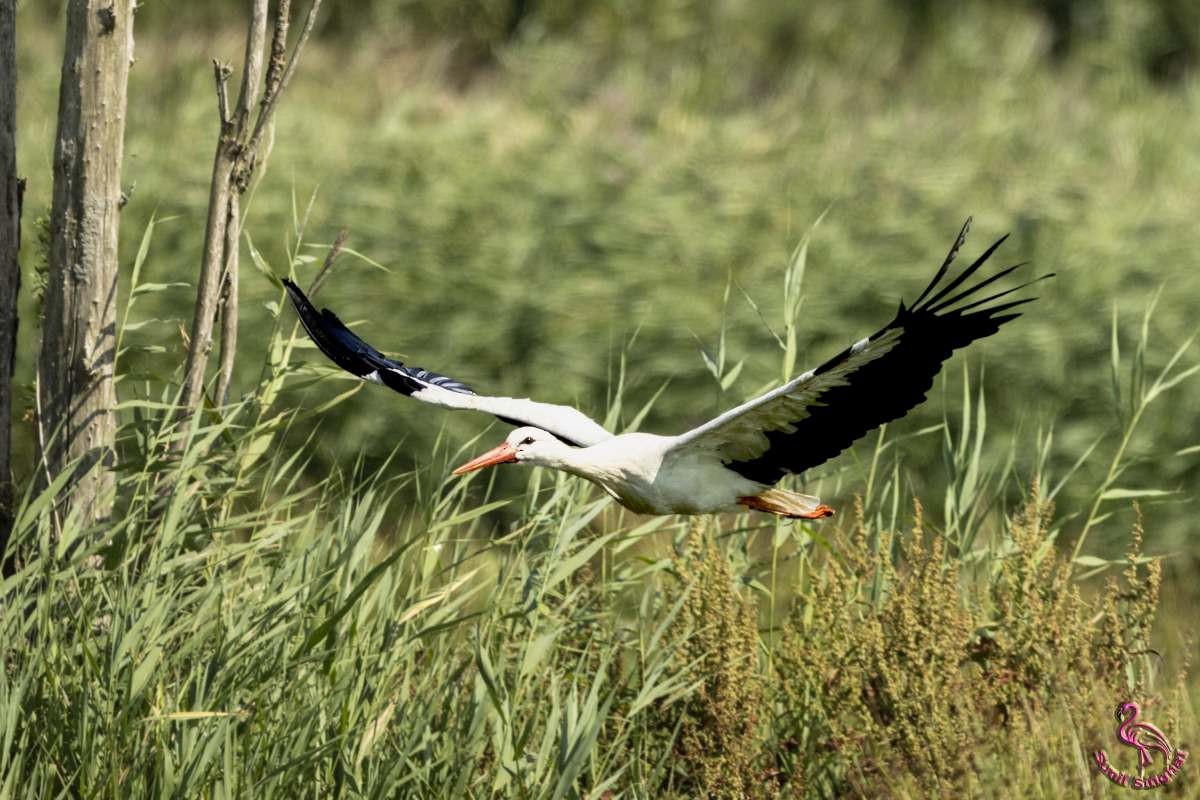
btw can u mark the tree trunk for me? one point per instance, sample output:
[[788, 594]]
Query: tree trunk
[[10, 272], [79, 333]]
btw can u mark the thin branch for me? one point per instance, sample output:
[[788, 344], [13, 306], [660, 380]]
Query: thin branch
[[271, 99], [229, 303], [221, 74], [254, 153], [208, 287], [227, 307], [283, 20], [335, 250], [253, 65], [234, 164]]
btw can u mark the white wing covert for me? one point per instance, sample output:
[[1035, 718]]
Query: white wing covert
[[346, 349]]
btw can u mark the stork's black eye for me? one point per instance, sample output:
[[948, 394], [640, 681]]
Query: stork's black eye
[[527, 440]]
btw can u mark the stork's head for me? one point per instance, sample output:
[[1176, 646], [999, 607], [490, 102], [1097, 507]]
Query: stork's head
[[524, 446]]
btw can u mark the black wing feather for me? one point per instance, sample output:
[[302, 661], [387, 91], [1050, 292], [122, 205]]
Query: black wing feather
[[887, 388], [959, 241], [348, 351]]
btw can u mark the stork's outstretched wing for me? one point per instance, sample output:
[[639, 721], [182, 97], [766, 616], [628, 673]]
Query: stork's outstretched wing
[[348, 351], [815, 416]]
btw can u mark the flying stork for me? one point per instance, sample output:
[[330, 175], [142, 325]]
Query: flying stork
[[731, 462]]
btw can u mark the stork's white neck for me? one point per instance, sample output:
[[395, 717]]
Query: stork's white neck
[[624, 466], [561, 456], [600, 464]]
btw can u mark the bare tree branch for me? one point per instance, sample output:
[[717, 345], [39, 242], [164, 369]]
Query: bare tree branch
[[237, 156], [253, 65], [221, 73], [272, 99], [251, 77], [229, 302], [200, 338], [283, 20]]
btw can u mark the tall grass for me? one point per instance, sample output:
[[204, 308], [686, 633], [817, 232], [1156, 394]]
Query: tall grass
[[241, 629], [296, 602]]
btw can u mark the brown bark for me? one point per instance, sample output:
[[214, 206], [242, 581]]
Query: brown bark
[[10, 272], [75, 372]]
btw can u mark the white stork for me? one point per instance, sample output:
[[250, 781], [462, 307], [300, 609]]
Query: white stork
[[730, 462]]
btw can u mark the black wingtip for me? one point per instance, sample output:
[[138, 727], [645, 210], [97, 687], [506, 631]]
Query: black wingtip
[[965, 293], [348, 350], [962, 276], [997, 295], [304, 307], [295, 294], [331, 336], [959, 241]]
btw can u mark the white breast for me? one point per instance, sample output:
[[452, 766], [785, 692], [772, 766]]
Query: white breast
[[646, 474]]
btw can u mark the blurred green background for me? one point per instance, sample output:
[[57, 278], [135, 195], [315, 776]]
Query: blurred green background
[[551, 184]]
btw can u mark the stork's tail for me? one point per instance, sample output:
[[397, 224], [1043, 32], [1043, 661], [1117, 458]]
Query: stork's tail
[[787, 504]]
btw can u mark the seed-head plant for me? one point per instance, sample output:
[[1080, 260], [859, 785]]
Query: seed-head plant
[[924, 686], [719, 742]]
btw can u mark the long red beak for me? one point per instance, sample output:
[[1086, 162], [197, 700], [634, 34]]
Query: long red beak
[[502, 454]]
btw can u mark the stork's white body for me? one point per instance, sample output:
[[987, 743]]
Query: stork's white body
[[650, 474], [730, 461]]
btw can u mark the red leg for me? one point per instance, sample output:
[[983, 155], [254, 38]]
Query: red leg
[[774, 502]]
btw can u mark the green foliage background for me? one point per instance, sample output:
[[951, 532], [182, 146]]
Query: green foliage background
[[557, 190], [541, 195]]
